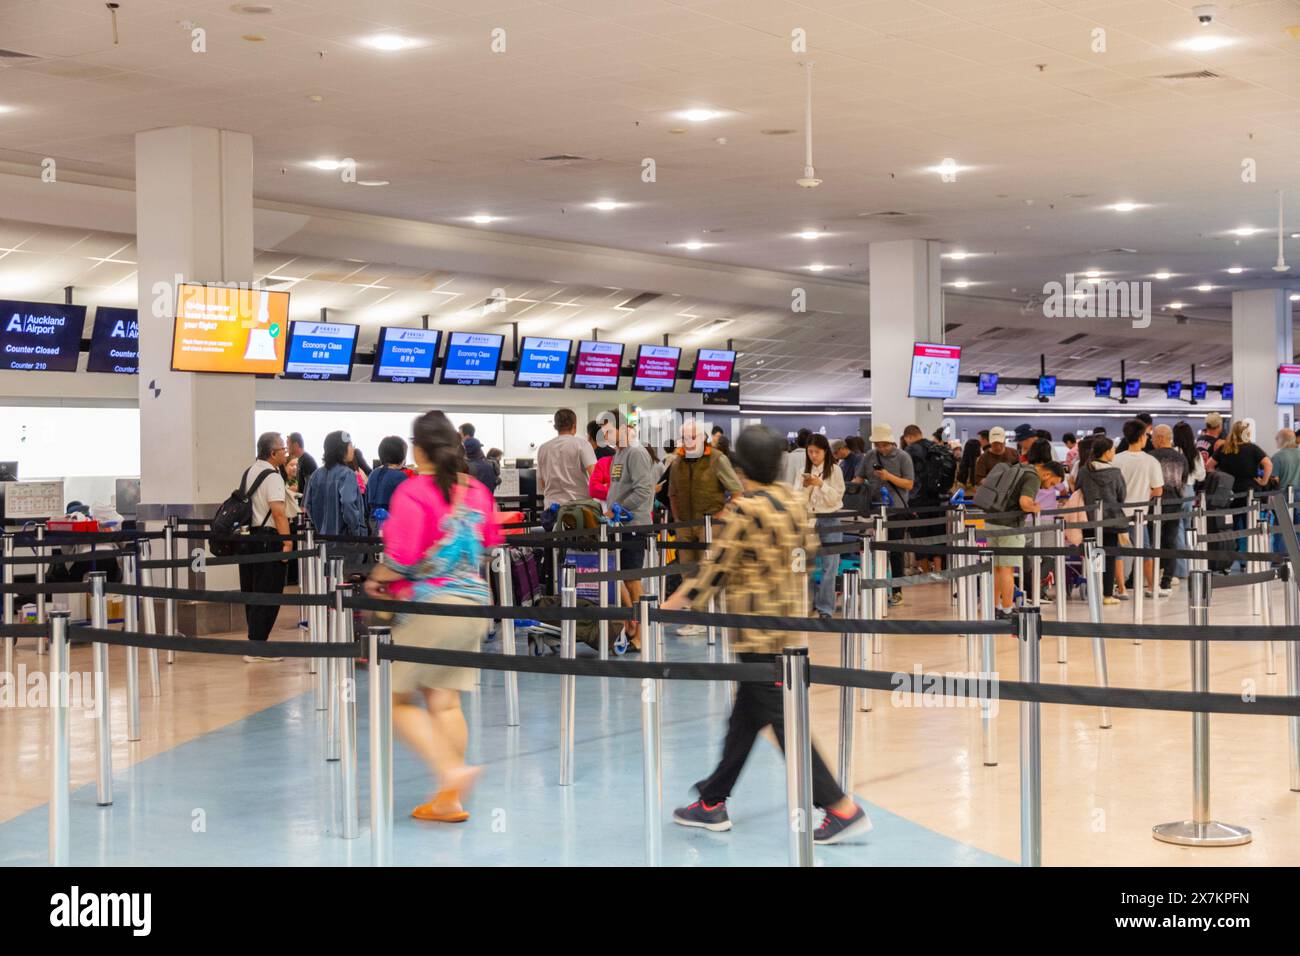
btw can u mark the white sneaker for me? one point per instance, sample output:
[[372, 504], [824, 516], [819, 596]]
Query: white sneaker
[[1159, 592], [692, 630], [254, 659], [1175, 582]]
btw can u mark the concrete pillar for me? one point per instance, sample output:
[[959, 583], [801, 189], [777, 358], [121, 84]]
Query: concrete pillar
[[194, 220], [1261, 341], [906, 308]]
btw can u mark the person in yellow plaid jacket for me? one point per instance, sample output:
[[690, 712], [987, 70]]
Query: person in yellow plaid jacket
[[758, 563]]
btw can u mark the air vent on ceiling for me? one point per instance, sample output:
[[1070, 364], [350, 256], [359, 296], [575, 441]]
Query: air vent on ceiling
[[1117, 251], [1088, 352], [638, 300], [1192, 75], [559, 159], [1074, 338], [15, 55], [894, 217]]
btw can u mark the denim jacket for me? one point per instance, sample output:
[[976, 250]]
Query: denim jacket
[[334, 501]]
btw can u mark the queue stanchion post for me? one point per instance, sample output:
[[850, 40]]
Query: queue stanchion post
[[1201, 829], [1060, 589], [169, 578], [1094, 563], [950, 521], [1035, 569], [149, 615], [322, 629], [337, 612], [42, 552], [1201, 527], [505, 594], [881, 571], [711, 630], [103, 710], [988, 720], [959, 562], [8, 577], [652, 587], [381, 748], [1291, 599], [1029, 627], [866, 610], [1139, 592], [1156, 534], [651, 741], [60, 743], [1265, 588], [131, 622], [603, 564], [347, 711], [972, 612], [304, 579], [848, 659], [798, 754], [1252, 521], [568, 682]]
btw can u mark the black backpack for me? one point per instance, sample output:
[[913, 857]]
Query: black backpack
[[938, 472], [235, 516], [1218, 489]]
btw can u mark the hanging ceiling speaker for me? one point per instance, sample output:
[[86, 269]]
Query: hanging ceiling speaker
[[1281, 234], [809, 179]]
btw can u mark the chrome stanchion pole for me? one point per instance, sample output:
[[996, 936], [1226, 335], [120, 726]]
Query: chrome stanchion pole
[[1291, 597], [603, 532], [568, 682], [1252, 522], [798, 754], [1201, 830], [1028, 625], [959, 562], [988, 722], [849, 655], [1094, 563], [651, 584], [1139, 593], [866, 606], [306, 584], [347, 711], [1035, 569], [337, 613], [381, 749], [42, 552], [131, 622], [505, 590], [651, 743], [169, 578], [8, 577], [1062, 642], [149, 615], [712, 608], [60, 743], [319, 664], [880, 570], [972, 610], [103, 712]]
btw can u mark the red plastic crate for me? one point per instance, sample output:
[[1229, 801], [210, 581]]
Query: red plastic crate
[[86, 524]]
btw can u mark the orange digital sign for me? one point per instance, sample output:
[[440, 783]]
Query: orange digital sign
[[223, 329]]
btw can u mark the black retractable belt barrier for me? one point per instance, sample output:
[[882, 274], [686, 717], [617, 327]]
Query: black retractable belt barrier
[[24, 630], [212, 645], [48, 587], [1231, 534], [490, 611], [635, 574], [1172, 632], [928, 577], [264, 557], [836, 625], [112, 555], [256, 599], [1240, 580]]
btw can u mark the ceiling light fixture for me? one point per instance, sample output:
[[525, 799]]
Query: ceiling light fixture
[[482, 219], [810, 234], [1236, 270], [6, 109], [1162, 275], [1295, 296], [956, 255], [1124, 206], [1204, 44], [1245, 231], [960, 284], [816, 267], [1175, 305], [693, 245], [699, 115], [809, 178], [1093, 274], [605, 205], [389, 42], [372, 182], [326, 165], [1205, 287]]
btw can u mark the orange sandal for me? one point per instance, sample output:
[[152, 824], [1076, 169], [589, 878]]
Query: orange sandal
[[445, 807]]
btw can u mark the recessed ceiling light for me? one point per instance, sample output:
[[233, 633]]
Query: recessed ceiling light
[[10, 109], [390, 42], [949, 168], [253, 37], [316, 98], [1175, 305], [956, 255], [777, 132], [693, 245], [1093, 274], [699, 115], [816, 267], [1205, 44], [1245, 231], [1162, 276], [1236, 270], [253, 8], [1204, 287], [605, 205], [326, 165], [960, 283], [1123, 206], [481, 219], [1295, 296], [810, 234], [372, 182]]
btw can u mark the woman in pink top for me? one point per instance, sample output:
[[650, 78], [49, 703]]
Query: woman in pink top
[[598, 483], [440, 525]]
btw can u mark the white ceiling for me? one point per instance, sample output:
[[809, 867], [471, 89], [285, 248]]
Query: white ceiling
[[1051, 133]]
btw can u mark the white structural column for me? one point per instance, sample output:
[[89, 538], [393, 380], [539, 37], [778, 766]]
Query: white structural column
[[1261, 341], [194, 220], [906, 307]]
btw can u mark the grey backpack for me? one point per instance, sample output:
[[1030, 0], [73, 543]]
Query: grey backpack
[[1000, 489]]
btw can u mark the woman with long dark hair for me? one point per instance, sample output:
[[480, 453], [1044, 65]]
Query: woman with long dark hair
[[333, 497], [821, 488], [1185, 441], [970, 454], [1102, 483], [440, 527]]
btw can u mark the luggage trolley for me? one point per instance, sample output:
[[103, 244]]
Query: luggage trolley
[[545, 636]]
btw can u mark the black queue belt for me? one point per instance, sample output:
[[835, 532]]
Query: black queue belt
[[214, 645], [1070, 694], [666, 526], [65, 558], [636, 574], [266, 557], [1171, 632], [915, 522], [256, 599], [490, 611], [16, 631], [828, 626], [49, 587], [1231, 535], [1241, 580], [338, 549], [581, 666], [60, 538], [929, 577], [350, 538], [1188, 555], [843, 547]]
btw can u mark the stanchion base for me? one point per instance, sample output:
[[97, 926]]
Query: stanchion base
[[1188, 833]]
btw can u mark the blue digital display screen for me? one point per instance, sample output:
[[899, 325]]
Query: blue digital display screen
[[473, 358], [40, 337], [1132, 387], [1199, 391], [115, 342], [543, 363], [988, 383], [1102, 388], [1047, 385], [1173, 389], [1226, 391], [405, 355], [320, 351]]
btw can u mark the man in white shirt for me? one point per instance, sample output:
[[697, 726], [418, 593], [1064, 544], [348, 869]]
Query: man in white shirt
[[565, 463], [1143, 481], [265, 486]]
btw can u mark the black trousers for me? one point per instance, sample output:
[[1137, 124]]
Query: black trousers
[[895, 557], [758, 706], [265, 578]]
